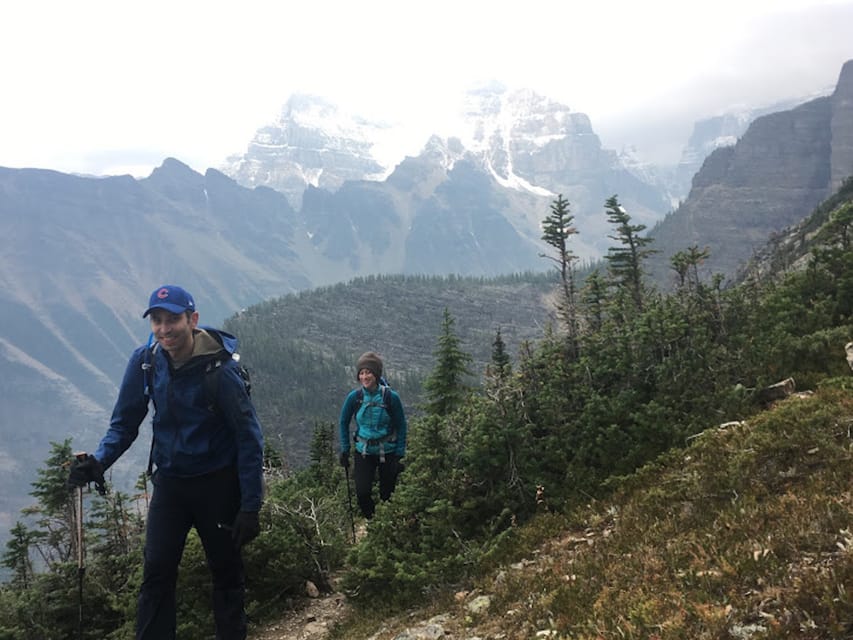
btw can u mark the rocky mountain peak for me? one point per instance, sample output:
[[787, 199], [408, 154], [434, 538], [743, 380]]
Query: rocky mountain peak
[[444, 152], [494, 116], [314, 143], [172, 169]]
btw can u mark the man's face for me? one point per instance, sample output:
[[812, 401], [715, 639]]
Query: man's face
[[174, 331]]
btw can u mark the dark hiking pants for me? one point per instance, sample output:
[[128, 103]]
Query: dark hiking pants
[[176, 505], [364, 472]]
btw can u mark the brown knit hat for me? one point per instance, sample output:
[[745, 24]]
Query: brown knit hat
[[370, 361]]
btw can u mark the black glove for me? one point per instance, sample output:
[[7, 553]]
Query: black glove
[[86, 469], [345, 459], [246, 527]]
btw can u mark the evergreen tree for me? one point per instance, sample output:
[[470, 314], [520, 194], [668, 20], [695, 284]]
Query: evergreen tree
[[557, 229], [549, 398], [594, 299], [686, 266], [626, 261], [446, 386], [48, 607], [500, 368], [114, 540], [16, 558], [323, 461], [54, 510], [272, 458]]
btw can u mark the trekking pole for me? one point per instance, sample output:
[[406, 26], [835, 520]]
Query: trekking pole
[[81, 566], [349, 501]]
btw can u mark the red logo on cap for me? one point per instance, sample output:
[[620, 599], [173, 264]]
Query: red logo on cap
[[163, 293]]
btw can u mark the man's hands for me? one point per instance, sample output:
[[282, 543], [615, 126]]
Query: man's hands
[[246, 527], [84, 470]]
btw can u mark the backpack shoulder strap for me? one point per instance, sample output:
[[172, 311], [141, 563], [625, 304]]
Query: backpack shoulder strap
[[210, 383], [148, 366], [386, 402], [213, 371], [148, 388]]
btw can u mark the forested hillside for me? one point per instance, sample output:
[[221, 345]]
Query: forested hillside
[[640, 428], [301, 348]]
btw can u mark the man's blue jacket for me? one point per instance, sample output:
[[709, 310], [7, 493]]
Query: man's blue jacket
[[193, 434]]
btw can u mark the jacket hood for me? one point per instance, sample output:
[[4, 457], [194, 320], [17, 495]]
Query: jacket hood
[[227, 340]]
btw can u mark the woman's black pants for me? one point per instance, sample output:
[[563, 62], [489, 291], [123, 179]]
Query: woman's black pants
[[364, 473]]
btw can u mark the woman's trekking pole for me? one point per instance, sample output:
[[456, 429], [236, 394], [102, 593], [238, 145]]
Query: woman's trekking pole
[[349, 502]]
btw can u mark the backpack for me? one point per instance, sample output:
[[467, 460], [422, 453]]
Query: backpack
[[210, 383], [385, 404]]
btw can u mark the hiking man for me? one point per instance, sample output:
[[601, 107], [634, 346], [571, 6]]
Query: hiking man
[[380, 435], [208, 452]]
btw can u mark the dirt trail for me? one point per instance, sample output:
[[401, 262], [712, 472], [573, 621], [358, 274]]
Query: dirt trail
[[311, 622]]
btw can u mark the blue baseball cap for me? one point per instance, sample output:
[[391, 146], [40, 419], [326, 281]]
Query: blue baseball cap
[[171, 298]]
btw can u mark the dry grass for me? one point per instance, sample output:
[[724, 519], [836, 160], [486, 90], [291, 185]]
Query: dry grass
[[745, 534]]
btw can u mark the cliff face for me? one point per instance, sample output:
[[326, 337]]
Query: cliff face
[[773, 177], [841, 127]]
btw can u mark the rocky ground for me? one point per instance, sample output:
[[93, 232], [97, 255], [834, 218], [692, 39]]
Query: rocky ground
[[469, 615], [311, 622]]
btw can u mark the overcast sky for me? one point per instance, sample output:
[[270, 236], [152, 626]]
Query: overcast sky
[[114, 86]]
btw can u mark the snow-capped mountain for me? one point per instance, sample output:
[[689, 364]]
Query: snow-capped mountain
[[312, 143], [527, 146], [508, 127]]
